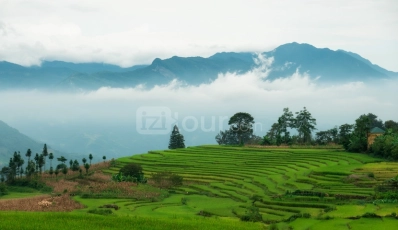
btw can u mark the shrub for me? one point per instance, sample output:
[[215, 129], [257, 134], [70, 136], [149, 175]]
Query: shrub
[[133, 170], [252, 214], [204, 213], [370, 215], [371, 174], [104, 212], [273, 227], [114, 206], [184, 200], [167, 179], [3, 189]]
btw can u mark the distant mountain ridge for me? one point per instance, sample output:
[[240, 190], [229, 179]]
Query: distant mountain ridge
[[329, 65]]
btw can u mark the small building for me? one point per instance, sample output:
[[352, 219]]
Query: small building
[[375, 132]]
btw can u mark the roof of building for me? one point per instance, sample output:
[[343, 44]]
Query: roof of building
[[377, 130]]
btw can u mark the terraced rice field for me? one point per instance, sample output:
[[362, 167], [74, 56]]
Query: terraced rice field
[[221, 181]]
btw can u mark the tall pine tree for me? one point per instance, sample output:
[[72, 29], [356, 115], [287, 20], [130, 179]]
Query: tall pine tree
[[176, 139]]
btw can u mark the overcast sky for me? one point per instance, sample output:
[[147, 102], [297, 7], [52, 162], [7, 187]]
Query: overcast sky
[[135, 32]]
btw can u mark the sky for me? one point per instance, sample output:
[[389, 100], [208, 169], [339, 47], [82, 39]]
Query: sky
[[128, 33]]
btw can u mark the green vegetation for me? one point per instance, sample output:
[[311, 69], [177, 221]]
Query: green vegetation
[[176, 139]]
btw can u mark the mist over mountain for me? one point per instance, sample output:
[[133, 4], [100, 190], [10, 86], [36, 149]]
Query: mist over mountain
[[11, 140], [325, 64]]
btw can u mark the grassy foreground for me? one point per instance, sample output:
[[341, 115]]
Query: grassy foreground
[[51, 221]]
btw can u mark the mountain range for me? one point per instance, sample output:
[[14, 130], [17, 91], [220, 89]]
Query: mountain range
[[325, 64]]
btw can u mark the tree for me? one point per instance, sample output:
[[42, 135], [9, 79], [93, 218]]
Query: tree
[[345, 135], [41, 162], [56, 172], [30, 169], [374, 122], [84, 160], [285, 122], [45, 154], [386, 145], [390, 124], [71, 164], [176, 139], [65, 171], [359, 137], [86, 166], [241, 123], [304, 124], [62, 159], [75, 165], [274, 135], [104, 158], [328, 136], [51, 172], [227, 137], [90, 157], [51, 157], [28, 154]]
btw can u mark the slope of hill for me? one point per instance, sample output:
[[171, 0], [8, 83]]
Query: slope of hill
[[328, 64], [12, 140], [291, 187]]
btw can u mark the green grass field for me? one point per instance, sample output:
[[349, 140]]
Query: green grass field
[[220, 182]]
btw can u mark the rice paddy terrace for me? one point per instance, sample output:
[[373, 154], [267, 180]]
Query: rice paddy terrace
[[222, 181]]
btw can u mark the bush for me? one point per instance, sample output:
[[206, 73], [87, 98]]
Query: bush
[[252, 214], [3, 189], [204, 213], [167, 179], [370, 215], [28, 183], [133, 170], [371, 174], [273, 227], [104, 212]]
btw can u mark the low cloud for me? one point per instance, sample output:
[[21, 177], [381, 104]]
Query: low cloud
[[229, 93]]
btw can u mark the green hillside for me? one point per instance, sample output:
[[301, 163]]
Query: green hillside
[[221, 181]]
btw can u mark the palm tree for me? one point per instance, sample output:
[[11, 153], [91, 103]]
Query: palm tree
[[104, 158], [86, 166], [51, 157], [56, 172], [45, 154], [51, 171], [28, 154], [41, 162], [65, 171], [62, 159], [90, 157]]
